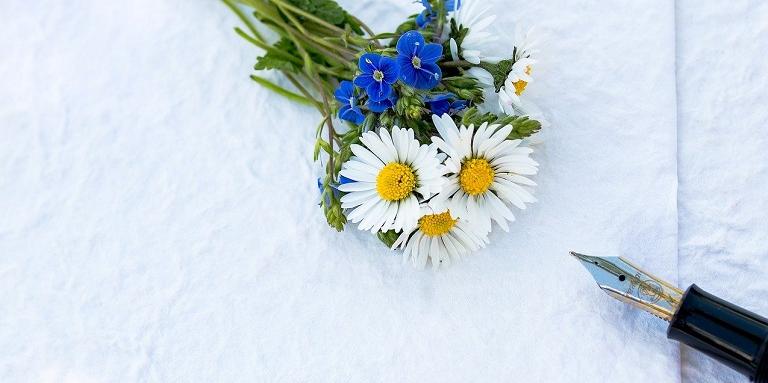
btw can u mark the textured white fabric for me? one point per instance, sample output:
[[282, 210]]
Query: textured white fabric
[[158, 218], [722, 77]]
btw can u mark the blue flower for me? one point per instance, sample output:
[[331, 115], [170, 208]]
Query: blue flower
[[380, 106], [452, 5], [379, 73], [426, 16], [417, 61], [442, 103], [349, 110]]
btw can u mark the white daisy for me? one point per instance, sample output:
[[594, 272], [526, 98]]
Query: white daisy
[[440, 238], [388, 173], [479, 41], [514, 86], [487, 172]]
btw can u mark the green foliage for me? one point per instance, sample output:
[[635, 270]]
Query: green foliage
[[465, 87], [334, 214], [499, 71], [457, 33], [388, 237], [329, 11], [279, 58], [522, 126]]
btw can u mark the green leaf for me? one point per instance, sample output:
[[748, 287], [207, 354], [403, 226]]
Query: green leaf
[[328, 10], [499, 71], [467, 88], [388, 238], [279, 57], [271, 61], [282, 91], [522, 126]]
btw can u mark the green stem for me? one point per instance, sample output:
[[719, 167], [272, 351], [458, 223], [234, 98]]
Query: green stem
[[332, 72], [457, 64], [292, 19], [282, 91], [331, 136], [368, 31], [267, 47], [244, 19], [303, 91], [308, 16]]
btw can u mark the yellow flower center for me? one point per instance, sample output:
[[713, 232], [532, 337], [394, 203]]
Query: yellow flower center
[[476, 176], [520, 85], [395, 181], [433, 225]]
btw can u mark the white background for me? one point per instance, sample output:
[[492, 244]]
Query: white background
[[158, 218]]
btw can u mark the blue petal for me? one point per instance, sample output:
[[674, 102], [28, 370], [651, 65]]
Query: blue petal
[[440, 107], [369, 62], [409, 43], [452, 5], [431, 53], [428, 76], [344, 92], [407, 71], [427, 5], [378, 91], [380, 106], [458, 105], [344, 180], [440, 97], [390, 69], [364, 80], [352, 114], [423, 19]]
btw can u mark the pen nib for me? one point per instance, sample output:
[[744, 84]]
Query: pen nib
[[628, 283]]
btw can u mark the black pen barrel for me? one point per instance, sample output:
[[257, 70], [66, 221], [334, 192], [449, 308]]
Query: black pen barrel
[[724, 331]]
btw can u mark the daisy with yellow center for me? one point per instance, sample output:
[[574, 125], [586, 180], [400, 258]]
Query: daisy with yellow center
[[439, 238], [390, 174], [514, 86], [487, 172]]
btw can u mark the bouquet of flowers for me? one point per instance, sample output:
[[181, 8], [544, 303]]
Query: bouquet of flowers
[[423, 133]]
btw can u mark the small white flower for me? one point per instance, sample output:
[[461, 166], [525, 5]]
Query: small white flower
[[487, 172], [479, 40], [514, 86], [439, 238], [388, 173]]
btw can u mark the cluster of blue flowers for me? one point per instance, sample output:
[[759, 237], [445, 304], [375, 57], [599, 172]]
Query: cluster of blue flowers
[[428, 14], [415, 66]]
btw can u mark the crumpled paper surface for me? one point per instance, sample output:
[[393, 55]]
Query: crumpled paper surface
[[159, 218]]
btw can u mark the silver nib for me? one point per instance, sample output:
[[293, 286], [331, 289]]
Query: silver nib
[[628, 283]]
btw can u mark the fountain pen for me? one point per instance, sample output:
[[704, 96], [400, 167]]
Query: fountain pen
[[728, 333]]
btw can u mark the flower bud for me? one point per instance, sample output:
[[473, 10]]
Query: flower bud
[[414, 112]]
